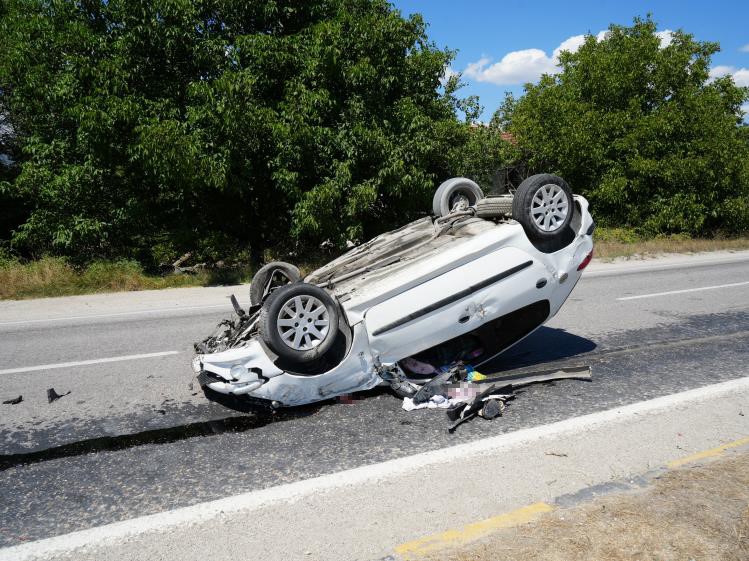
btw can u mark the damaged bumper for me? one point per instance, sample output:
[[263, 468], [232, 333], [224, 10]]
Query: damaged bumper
[[249, 371]]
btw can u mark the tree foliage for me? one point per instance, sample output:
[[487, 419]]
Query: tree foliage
[[146, 127], [637, 126]]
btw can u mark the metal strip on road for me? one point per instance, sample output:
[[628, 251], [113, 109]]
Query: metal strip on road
[[85, 362], [668, 293]]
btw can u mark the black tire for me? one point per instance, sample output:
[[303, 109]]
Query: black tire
[[285, 301], [447, 194], [529, 206], [275, 271], [494, 207]]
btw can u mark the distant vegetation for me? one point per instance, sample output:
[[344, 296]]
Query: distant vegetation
[[141, 130]]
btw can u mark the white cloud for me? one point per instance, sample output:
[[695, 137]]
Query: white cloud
[[603, 34], [527, 65], [740, 75], [745, 48], [519, 67], [449, 73], [571, 45], [666, 36], [516, 67]]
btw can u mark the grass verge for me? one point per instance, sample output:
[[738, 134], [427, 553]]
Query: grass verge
[[53, 276], [697, 512], [611, 243]]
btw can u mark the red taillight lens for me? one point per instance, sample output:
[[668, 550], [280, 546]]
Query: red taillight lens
[[585, 262]]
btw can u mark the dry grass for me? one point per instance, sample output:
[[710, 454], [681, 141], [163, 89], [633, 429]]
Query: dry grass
[[699, 513], [52, 276], [612, 249]]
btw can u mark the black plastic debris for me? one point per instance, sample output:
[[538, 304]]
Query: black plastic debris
[[14, 401], [394, 376], [52, 395], [237, 308], [489, 404], [438, 385], [492, 409]]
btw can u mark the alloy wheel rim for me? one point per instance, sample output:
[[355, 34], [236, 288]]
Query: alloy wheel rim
[[549, 207], [303, 322], [458, 202]]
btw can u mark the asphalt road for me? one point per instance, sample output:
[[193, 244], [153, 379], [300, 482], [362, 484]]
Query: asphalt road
[[177, 454]]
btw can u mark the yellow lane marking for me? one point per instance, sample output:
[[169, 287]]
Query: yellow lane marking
[[471, 532], [708, 453]]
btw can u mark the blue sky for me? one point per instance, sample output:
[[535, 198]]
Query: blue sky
[[502, 44]]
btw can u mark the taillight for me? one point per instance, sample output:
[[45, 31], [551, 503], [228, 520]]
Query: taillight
[[585, 262]]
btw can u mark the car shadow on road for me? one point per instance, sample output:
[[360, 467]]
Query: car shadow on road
[[546, 344]]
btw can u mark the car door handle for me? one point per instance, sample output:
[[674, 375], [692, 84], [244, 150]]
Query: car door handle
[[464, 319]]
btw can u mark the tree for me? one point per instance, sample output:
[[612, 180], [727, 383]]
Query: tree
[[147, 127], [635, 124]]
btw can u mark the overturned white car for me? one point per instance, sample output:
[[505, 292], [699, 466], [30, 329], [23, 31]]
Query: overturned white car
[[489, 268]]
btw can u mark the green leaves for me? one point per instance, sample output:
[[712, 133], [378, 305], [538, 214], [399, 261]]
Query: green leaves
[[272, 123], [635, 125]]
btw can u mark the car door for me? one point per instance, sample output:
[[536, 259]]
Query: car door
[[454, 303]]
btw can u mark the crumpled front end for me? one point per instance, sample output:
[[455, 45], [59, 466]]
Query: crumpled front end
[[248, 370], [236, 371]]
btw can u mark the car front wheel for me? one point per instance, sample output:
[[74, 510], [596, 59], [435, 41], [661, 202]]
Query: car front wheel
[[299, 322]]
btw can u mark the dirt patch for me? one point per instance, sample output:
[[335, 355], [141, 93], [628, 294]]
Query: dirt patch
[[696, 513]]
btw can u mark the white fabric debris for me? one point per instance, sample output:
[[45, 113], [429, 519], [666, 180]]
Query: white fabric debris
[[435, 402]]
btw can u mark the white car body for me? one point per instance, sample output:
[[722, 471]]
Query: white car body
[[398, 311]]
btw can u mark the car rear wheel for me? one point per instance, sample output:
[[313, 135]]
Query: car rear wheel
[[544, 206], [271, 276], [455, 194], [299, 322]]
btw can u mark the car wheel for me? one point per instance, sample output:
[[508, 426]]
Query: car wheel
[[299, 322], [455, 194], [270, 276], [543, 204], [494, 207]]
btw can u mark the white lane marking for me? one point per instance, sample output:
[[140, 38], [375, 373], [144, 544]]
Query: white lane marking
[[684, 291], [203, 512], [116, 314], [85, 362]]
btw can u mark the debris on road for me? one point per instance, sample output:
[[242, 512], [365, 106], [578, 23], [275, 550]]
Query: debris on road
[[52, 395], [467, 394], [434, 402], [489, 404], [14, 401]]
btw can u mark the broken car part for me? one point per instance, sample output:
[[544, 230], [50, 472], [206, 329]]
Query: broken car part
[[52, 395]]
